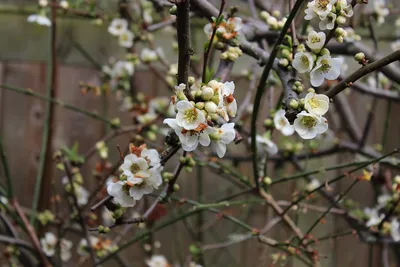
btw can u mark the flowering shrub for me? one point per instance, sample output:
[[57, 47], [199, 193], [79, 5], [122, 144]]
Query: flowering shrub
[[313, 57]]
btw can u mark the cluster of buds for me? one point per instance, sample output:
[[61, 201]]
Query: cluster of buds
[[273, 20], [330, 12], [188, 163], [199, 110], [76, 187], [232, 53], [102, 149], [100, 246], [45, 217], [340, 34], [225, 29]]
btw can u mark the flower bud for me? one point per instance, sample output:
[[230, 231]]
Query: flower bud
[[297, 83], [310, 90], [340, 32], [325, 51], [283, 62], [215, 99], [267, 180], [191, 80], [173, 10], [280, 24], [224, 56], [339, 39], [268, 123], [215, 136], [272, 22], [210, 107], [294, 104], [199, 105], [232, 56], [214, 84], [301, 48], [359, 57], [168, 175], [219, 45], [181, 96], [207, 93], [285, 53], [276, 13], [340, 20], [264, 15]]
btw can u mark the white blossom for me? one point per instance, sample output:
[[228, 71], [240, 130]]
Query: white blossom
[[117, 26], [190, 139], [282, 124], [49, 245], [157, 261], [147, 55], [227, 105], [147, 18], [308, 125], [265, 141], [81, 193], [325, 68], [312, 185], [121, 69], [126, 39], [316, 40], [147, 185], [374, 217], [383, 200], [380, 10], [226, 30], [320, 8], [64, 4], [39, 19], [329, 22], [303, 62], [226, 134], [120, 192], [188, 116], [394, 230], [135, 167], [317, 104], [345, 9], [43, 3]]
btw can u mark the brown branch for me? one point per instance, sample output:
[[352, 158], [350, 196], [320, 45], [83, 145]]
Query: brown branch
[[362, 72], [183, 33], [31, 233]]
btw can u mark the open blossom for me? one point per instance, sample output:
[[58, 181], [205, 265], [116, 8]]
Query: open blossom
[[374, 217], [345, 9], [126, 39], [49, 245], [120, 69], [39, 19], [188, 116], [320, 8], [190, 139], [328, 23], [147, 55], [141, 174], [317, 104], [282, 124], [303, 62], [265, 141], [308, 125], [316, 40], [381, 10], [99, 245], [227, 103], [325, 68], [227, 30], [224, 136], [394, 230], [117, 26], [157, 261]]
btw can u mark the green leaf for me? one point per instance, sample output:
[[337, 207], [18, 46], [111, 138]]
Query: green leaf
[[209, 75]]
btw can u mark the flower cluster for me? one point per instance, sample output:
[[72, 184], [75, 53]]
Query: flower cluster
[[318, 63], [273, 20], [100, 246], [380, 10], [330, 12], [49, 245], [119, 28], [232, 53], [310, 121], [81, 193], [141, 174], [194, 119], [118, 73], [226, 29]]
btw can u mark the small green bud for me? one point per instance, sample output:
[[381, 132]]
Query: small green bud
[[285, 53], [215, 99], [191, 80], [276, 13], [183, 160], [340, 20], [173, 10], [294, 104], [267, 180], [302, 103], [224, 56], [264, 15], [219, 45], [215, 136], [297, 83], [268, 123], [301, 48], [211, 107], [199, 105], [207, 93], [310, 90], [359, 57], [283, 62], [176, 187], [168, 175], [181, 96]]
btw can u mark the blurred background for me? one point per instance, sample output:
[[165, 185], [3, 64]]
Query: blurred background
[[82, 48]]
